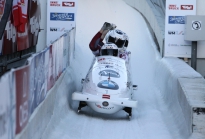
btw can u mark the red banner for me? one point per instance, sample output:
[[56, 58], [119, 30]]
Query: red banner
[[22, 89]]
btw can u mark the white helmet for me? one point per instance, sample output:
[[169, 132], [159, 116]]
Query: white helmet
[[109, 49], [117, 37]]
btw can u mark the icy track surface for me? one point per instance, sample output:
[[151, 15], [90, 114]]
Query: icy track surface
[[149, 120]]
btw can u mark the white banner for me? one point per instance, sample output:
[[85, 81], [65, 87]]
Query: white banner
[[61, 17], [176, 10], [5, 107]]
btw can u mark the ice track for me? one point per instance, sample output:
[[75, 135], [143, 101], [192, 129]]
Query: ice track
[[151, 120]]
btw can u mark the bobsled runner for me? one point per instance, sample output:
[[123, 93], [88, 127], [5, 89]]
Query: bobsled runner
[[107, 87]]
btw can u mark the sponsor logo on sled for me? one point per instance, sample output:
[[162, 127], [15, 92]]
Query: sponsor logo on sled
[[108, 66], [176, 20], [187, 7], [101, 107], [68, 4], [109, 73], [108, 85], [62, 16]]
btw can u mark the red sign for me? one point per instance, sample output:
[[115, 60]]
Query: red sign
[[173, 7], [22, 106], [54, 3], [68, 4], [2, 6], [187, 7]]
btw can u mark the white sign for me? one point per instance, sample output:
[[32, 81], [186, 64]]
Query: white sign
[[176, 10], [61, 17]]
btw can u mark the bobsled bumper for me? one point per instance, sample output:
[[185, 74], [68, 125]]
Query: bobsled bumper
[[96, 99]]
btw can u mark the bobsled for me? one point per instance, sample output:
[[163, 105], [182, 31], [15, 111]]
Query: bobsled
[[107, 87]]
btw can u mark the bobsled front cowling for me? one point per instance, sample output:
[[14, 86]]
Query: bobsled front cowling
[[107, 76], [107, 87]]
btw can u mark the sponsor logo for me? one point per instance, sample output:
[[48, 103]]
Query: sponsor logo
[[62, 16], [57, 29], [108, 85], [108, 66], [176, 20], [173, 44], [109, 73], [185, 44], [173, 7], [101, 59], [106, 96], [54, 3], [187, 7], [175, 32], [106, 63], [68, 4], [105, 103], [2, 6], [101, 107]]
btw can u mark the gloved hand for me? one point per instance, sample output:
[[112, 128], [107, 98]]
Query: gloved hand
[[105, 28], [108, 26]]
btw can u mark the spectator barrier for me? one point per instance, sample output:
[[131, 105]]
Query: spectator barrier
[[25, 89]]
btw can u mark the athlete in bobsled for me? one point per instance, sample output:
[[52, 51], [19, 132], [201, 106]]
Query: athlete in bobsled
[[110, 34], [108, 87]]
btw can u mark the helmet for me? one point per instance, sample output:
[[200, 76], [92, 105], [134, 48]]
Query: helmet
[[109, 49], [117, 37]]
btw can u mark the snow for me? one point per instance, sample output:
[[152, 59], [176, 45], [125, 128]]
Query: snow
[[152, 119]]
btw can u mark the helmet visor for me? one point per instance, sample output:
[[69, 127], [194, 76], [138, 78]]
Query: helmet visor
[[118, 42], [110, 52]]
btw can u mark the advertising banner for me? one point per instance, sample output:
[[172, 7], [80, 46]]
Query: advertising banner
[[37, 83], [66, 48], [176, 10], [59, 56], [61, 18], [51, 68], [22, 106]]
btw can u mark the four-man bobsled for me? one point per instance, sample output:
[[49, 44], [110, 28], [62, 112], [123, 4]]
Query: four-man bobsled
[[107, 87]]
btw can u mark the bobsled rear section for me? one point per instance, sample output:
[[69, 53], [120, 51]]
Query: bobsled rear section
[[107, 87]]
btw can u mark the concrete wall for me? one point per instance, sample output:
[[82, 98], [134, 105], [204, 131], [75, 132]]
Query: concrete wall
[[173, 78]]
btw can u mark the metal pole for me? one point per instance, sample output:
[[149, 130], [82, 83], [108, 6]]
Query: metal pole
[[193, 54]]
